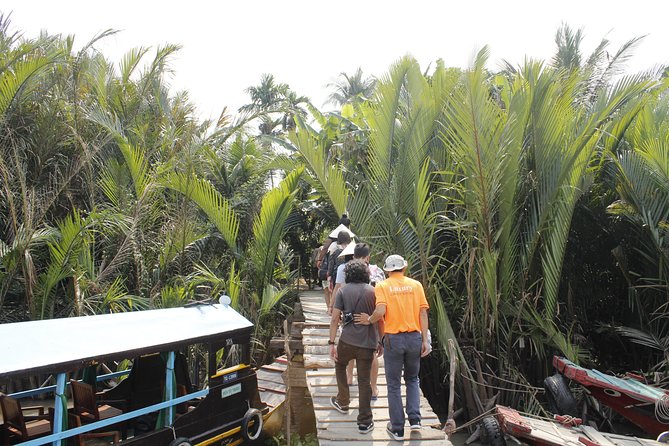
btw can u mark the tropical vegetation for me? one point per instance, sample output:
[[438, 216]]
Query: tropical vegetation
[[531, 201]]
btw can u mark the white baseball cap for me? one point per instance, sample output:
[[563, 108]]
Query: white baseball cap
[[394, 263]]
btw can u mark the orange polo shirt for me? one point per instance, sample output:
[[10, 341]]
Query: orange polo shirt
[[403, 297]]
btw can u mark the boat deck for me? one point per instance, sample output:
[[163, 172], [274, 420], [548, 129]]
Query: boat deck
[[334, 428], [544, 432]]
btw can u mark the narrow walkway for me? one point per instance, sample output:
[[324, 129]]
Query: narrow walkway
[[334, 428]]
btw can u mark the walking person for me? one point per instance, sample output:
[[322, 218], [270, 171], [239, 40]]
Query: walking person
[[359, 342], [322, 263], [360, 251], [343, 239], [329, 255], [314, 281], [401, 304]]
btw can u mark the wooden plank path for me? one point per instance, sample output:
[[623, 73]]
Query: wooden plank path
[[271, 384], [334, 428]]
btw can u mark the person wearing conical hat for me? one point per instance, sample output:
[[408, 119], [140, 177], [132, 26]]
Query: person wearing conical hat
[[343, 240], [340, 228], [330, 260]]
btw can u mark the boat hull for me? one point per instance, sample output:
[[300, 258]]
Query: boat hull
[[645, 406]]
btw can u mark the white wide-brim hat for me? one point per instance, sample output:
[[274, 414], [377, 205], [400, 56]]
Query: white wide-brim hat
[[338, 229], [349, 250], [394, 263]]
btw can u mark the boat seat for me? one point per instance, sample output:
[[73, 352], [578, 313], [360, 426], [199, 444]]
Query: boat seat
[[18, 426], [86, 406]]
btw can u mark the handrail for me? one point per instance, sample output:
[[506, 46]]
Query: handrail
[[40, 390], [114, 420]]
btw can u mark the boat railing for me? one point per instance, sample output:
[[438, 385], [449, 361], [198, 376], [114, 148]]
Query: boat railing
[[51, 389], [169, 404]]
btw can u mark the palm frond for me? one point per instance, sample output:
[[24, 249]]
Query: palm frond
[[105, 119], [157, 68], [4, 249], [212, 203], [130, 62], [234, 286], [646, 339], [18, 80], [202, 274], [402, 122], [115, 299], [268, 228], [271, 295], [323, 174], [138, 167], [64, 252]]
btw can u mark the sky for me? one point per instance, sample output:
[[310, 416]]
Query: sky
[[228, 45]]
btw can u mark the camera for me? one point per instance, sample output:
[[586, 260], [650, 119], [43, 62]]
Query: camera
[[347, 318]]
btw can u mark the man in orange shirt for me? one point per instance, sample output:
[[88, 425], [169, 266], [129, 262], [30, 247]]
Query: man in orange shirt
[[401, 302]]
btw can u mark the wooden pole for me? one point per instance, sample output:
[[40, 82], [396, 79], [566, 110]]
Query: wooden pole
[[286, 335], [450, 425]]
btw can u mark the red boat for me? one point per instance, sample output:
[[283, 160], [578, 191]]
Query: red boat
[[645, 406], [564, 431]]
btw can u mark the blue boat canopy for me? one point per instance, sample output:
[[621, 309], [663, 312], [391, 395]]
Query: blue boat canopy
[[57, 345]]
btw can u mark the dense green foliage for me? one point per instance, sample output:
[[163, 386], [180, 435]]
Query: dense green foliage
[[531, 202]]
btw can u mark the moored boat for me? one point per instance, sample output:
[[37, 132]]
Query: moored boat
[[645, 406], [563, 431]]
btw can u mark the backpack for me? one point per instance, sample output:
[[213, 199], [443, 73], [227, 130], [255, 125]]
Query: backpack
[[315, 254], [334, 264], [323, 270]]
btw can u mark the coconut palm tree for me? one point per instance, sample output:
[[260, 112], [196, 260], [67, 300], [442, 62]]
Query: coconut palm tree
[[293, 106], [351, 89], [267, 99]]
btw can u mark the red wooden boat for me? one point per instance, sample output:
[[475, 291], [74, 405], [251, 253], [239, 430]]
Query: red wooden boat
[[564, 431], [645, 406]]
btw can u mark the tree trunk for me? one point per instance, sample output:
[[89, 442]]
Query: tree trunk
[[78, 304]]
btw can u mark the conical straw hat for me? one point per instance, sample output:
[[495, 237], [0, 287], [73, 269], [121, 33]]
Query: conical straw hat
[[338, 229], [349, 250]]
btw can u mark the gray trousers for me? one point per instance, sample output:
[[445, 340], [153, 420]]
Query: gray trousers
[[401, 351]]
